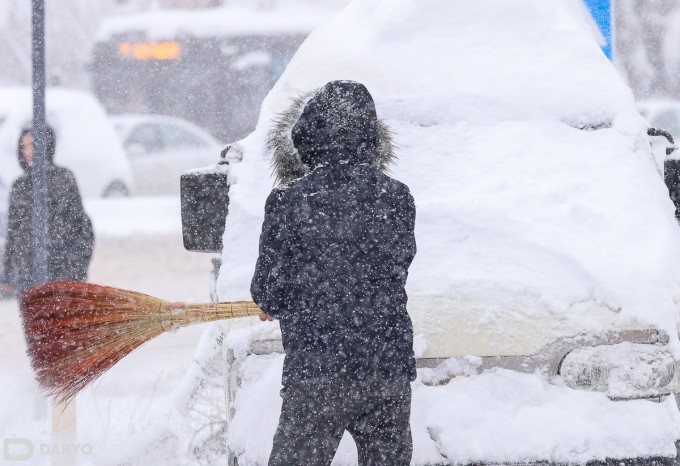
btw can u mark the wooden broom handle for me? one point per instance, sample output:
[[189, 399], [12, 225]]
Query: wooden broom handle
[[174, 315]]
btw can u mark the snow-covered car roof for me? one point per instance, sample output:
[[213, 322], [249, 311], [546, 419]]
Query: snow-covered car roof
[[86, 140], [541, 211]]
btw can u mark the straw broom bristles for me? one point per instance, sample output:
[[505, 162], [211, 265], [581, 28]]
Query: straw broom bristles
[[77, 331]]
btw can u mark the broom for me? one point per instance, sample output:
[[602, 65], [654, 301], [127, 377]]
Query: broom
[[77, 331]]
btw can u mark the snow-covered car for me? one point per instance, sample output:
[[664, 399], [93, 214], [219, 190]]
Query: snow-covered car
[[86, 140], [160, 148], [545, 289]]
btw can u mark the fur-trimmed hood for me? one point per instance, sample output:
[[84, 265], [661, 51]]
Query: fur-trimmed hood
[[336, 124]]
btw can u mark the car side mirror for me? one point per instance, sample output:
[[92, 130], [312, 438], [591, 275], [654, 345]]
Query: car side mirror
[[670, 147], [671, 168], [205, 203]]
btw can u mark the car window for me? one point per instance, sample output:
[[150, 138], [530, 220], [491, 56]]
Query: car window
[[668, 120], [145, 136], [175, 137]]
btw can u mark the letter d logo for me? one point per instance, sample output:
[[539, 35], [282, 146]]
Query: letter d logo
[[11, 445]]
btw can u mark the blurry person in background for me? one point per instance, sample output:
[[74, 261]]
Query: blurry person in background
[[70, 235]]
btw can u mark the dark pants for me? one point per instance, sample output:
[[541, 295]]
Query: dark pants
[[316, 412]]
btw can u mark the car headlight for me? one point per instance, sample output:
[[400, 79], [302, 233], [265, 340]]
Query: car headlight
[[623, 370], [583, 376]]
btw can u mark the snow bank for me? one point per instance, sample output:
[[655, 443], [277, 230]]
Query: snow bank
[[508, 416], [121, 217], [498, 416], [541, 212]]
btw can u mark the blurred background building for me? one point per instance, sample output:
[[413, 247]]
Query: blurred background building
[[71, 27]]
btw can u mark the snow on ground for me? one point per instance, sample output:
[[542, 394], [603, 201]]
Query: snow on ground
[[125, 217], [498, 415]]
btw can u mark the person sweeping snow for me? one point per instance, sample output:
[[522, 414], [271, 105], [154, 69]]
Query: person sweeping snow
[[335, 249]]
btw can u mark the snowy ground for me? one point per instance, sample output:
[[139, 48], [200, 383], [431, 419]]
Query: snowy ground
[[139, 247]]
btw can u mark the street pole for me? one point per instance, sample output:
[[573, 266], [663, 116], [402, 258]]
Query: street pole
[[63, 419], [39, 167]]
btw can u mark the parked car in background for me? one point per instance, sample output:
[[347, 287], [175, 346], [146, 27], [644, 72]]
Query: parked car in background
[[86, 141], [160, 148]]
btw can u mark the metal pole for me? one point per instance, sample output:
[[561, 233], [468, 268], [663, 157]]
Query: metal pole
[[63, 421], [39, 167]]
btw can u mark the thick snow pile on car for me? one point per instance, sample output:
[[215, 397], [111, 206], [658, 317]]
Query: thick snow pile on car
[[541, 215], [539, 201]]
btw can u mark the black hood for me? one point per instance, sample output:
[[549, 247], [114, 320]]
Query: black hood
[[50, 148], [338, 127]]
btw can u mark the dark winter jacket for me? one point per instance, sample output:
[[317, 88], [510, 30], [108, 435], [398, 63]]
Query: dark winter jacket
[[70, 235], [336, 246]]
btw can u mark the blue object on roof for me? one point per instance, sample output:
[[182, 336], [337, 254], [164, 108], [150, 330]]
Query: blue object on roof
[[601, 11]]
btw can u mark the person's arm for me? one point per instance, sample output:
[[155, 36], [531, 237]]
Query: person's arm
[[268, 283], [79, 238], [406, 240], [12, 232]]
